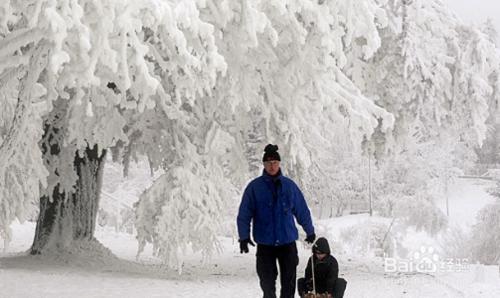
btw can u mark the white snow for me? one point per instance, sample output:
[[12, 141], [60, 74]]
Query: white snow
[[467, 197], [97, 274], [335, 82]]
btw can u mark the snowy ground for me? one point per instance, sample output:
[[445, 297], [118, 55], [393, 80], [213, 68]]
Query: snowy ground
[[466, 198], [226, 275]]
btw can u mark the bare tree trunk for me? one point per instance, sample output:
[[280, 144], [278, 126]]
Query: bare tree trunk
[[65, 218]]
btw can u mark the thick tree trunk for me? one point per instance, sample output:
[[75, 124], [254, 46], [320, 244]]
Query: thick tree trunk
[[67, 218]]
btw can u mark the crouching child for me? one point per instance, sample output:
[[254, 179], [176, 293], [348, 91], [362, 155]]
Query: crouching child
[[326, 272]]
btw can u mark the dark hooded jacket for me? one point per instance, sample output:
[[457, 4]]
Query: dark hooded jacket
[[326, 271]]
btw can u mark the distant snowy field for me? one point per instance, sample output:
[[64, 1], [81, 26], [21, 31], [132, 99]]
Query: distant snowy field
[[231, 274]]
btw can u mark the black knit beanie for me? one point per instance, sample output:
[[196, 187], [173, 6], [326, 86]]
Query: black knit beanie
[[271, 153]]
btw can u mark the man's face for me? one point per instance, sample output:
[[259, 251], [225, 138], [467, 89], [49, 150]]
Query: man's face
[[272, 167]]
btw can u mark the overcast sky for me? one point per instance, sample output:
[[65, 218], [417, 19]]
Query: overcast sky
[[476, 11]]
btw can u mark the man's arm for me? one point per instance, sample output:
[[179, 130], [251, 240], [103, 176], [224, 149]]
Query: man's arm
[[302, 213], [245, 214]]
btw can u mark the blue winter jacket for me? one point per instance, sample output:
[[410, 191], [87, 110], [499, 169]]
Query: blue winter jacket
[[271, 203]]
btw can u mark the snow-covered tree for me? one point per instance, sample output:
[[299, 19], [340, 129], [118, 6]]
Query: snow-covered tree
[[86, 68], [438, 82], [178, 81], [199, 87], [22, 170], [283, 85], [491, 31], [489, 152]]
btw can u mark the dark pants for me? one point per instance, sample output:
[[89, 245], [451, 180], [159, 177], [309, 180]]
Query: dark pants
[[287, 258], [338, 288]]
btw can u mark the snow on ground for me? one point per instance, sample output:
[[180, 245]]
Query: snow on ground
[[97, 274], [228, 274], [466, 198]]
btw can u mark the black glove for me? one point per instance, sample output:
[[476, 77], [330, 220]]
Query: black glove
[[310, 238], [244, 245]]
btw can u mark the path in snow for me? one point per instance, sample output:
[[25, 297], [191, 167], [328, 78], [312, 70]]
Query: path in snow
[[466, 198], [228, 274]]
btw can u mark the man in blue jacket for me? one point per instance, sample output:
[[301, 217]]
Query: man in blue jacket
[[271, 202]]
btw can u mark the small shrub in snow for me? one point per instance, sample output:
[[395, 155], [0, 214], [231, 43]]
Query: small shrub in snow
[[486, 236], [122, 220], [177, 214], [368, 239], [456, 243], [421, 213]]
